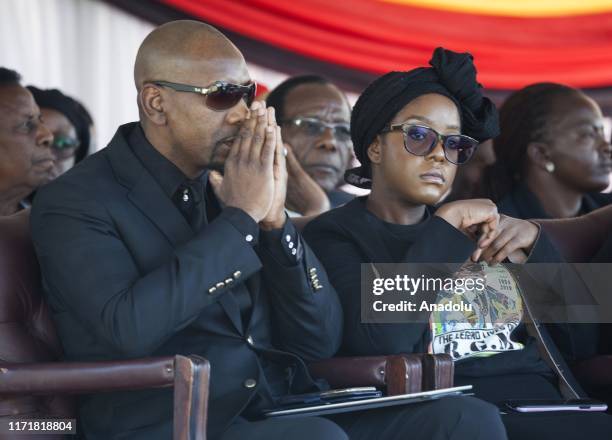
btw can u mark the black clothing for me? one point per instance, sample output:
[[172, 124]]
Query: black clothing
[[348, 236], [186, 194], [345, 237], [457, 418], [149, 285], [576, 341], [338, 197], [522, 203], [461, 417]]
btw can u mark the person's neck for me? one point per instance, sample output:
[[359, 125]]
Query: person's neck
[[10, 200], [164, 147], [557, 199], [388, 207]]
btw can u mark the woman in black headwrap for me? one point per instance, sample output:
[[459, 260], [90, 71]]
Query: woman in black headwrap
[[411, 130]]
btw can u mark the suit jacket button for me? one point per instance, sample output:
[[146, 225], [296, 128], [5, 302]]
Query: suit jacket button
[[250, 340], [220, 285], [237, 274], [229, 281], [250, 383], [212, 290]]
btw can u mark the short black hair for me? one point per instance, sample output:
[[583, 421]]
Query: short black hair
[[9, 77], [276, 98]]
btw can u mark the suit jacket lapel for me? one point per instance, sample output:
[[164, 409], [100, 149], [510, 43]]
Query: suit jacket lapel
[[145, 192], [147, 195], [232, 309], [253, 285]]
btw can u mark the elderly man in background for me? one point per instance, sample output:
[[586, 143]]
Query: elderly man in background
[[315, 119]]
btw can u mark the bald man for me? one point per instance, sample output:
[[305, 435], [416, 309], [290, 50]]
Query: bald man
[[141, 256]]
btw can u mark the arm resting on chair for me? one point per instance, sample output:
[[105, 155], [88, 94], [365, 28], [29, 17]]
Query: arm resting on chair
[[579, 238]]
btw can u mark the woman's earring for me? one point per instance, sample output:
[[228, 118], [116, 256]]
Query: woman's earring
[[550, 167]]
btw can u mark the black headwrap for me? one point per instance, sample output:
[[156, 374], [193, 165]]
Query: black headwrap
[[72, 109], [452, 74]]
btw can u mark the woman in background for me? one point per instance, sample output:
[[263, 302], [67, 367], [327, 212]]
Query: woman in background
[[70, 124], [552, 158]]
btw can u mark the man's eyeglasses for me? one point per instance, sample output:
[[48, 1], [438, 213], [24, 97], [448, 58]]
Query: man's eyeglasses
[[315, 127], [221, 95], [421, 140]]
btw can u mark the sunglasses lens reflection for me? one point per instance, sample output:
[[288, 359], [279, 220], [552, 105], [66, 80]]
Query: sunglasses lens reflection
[[229, 95], [419, 140], [459, 149]]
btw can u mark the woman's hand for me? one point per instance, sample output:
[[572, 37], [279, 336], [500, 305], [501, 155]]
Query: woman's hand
[[514, 240], [477, 218]]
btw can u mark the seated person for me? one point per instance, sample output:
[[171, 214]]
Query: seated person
[[173, 267], [314, 117], [469, 177], [553, 159], [27, 161], [411, 130], [70, 124]]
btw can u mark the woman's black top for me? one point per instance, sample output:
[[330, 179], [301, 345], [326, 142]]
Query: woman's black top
[[522, 203], [346, 237]]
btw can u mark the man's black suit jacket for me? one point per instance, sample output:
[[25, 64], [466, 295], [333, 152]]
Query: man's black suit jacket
[[125, 276]]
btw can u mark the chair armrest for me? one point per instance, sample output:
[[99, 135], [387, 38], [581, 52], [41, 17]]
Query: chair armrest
[[191, 380], [397, 374], [86, 377], [188, 375], [596, 371], [438, 371]]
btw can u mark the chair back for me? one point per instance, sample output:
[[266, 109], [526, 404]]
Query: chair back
[[27, 334]]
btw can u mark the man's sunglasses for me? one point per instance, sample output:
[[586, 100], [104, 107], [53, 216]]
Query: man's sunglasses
[[316, 127], [421, 140], [220, 95]]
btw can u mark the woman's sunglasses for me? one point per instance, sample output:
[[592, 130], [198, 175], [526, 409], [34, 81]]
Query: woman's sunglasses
[[421, 140], [220, 95], [65, 146]]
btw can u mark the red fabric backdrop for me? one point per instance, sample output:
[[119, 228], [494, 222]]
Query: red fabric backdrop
[[375, 37]]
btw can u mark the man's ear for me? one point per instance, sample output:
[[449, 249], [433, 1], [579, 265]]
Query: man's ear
[[374, 151], [152, 105], [539, 154]]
